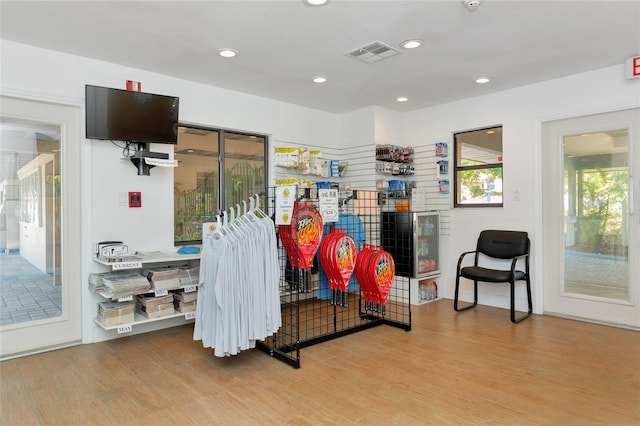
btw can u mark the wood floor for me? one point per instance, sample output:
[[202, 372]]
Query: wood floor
[[470, 368]]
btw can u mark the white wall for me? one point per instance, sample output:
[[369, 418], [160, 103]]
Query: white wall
[[48, 75], [521, 111], [388, 127]]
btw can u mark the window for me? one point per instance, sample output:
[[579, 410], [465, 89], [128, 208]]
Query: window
[[244, 167], [478, 168], [217, 169]]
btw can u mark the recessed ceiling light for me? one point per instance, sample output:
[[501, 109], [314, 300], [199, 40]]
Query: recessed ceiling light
[[411, 44], [227, 53], [402, 99], [490, 132], [315, 2], [482, 80], [319, 79]]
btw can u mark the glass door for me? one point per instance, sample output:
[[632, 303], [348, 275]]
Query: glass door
[[426, 245], [589, 202], [596, 214], [40, 282]]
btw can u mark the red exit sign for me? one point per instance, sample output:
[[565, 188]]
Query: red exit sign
[[632, 67]]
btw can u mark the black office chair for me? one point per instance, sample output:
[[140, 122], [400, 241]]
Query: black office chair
[[507, 245]]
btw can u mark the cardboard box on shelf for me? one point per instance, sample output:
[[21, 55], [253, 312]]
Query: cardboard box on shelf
[[163, 278], [157, 311], [186, 296], [155, 307], [184, 306], [189, 276], [115, 313]]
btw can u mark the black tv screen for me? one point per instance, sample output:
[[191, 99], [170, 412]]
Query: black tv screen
[[125, 115]]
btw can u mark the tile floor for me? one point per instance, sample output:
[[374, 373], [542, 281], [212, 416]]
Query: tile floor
[[599, 275], [26, 293]]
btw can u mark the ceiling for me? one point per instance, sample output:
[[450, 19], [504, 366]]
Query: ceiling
[[282, 45]]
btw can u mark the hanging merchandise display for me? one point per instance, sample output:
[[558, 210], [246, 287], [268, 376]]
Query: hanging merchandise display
[[337, 308], [338, 253], [301, 240], [239, 283], [352, 225], [375, 270]]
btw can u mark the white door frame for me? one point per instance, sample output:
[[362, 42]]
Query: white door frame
[[555, 302], [65, 330]]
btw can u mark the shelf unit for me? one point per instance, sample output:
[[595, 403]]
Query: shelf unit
[[139, 262], [139, 320]]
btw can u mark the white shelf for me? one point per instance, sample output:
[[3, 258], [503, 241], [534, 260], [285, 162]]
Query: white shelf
[[107, 295], [136, 261], [141, 319]]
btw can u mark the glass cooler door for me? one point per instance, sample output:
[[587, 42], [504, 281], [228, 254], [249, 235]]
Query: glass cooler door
[[427, 245]]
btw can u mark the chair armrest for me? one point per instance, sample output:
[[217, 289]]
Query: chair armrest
[[514, 261], [462, 257]]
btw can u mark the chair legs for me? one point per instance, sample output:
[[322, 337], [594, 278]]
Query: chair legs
[[475, 296], [513, 302], [512, 312]]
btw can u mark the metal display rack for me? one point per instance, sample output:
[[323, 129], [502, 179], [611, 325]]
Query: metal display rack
[[311, 312]]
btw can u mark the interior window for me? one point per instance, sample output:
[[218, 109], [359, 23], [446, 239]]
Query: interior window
[[195, 182], [478, 168], [244, 166], [216, 170]]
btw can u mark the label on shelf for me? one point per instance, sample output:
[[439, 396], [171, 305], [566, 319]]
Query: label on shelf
[[161, 293], [189, 288], [190, 315], [128, 298], [126, 265], [126, 328]]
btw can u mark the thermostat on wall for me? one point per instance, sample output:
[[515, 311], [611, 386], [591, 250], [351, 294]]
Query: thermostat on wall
[[135, 199]]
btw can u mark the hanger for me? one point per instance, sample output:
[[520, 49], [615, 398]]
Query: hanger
[[258, 211], [240, 233]]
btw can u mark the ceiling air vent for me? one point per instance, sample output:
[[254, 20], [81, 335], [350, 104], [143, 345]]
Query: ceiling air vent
[[373, 52]]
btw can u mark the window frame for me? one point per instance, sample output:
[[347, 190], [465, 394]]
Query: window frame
[[221, 182], [485, 166]]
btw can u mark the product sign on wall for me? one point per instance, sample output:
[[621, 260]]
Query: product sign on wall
[[328, 204], [285, 197]]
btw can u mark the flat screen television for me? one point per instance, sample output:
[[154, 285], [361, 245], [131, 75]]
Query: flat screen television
[[125, 115]]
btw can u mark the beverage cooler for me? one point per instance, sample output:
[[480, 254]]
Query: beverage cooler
[[413, 239]]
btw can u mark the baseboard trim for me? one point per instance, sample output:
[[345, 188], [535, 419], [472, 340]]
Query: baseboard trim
[[592, 321]]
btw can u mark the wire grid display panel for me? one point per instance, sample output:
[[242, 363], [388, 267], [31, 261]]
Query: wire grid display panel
[[311, 311]]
